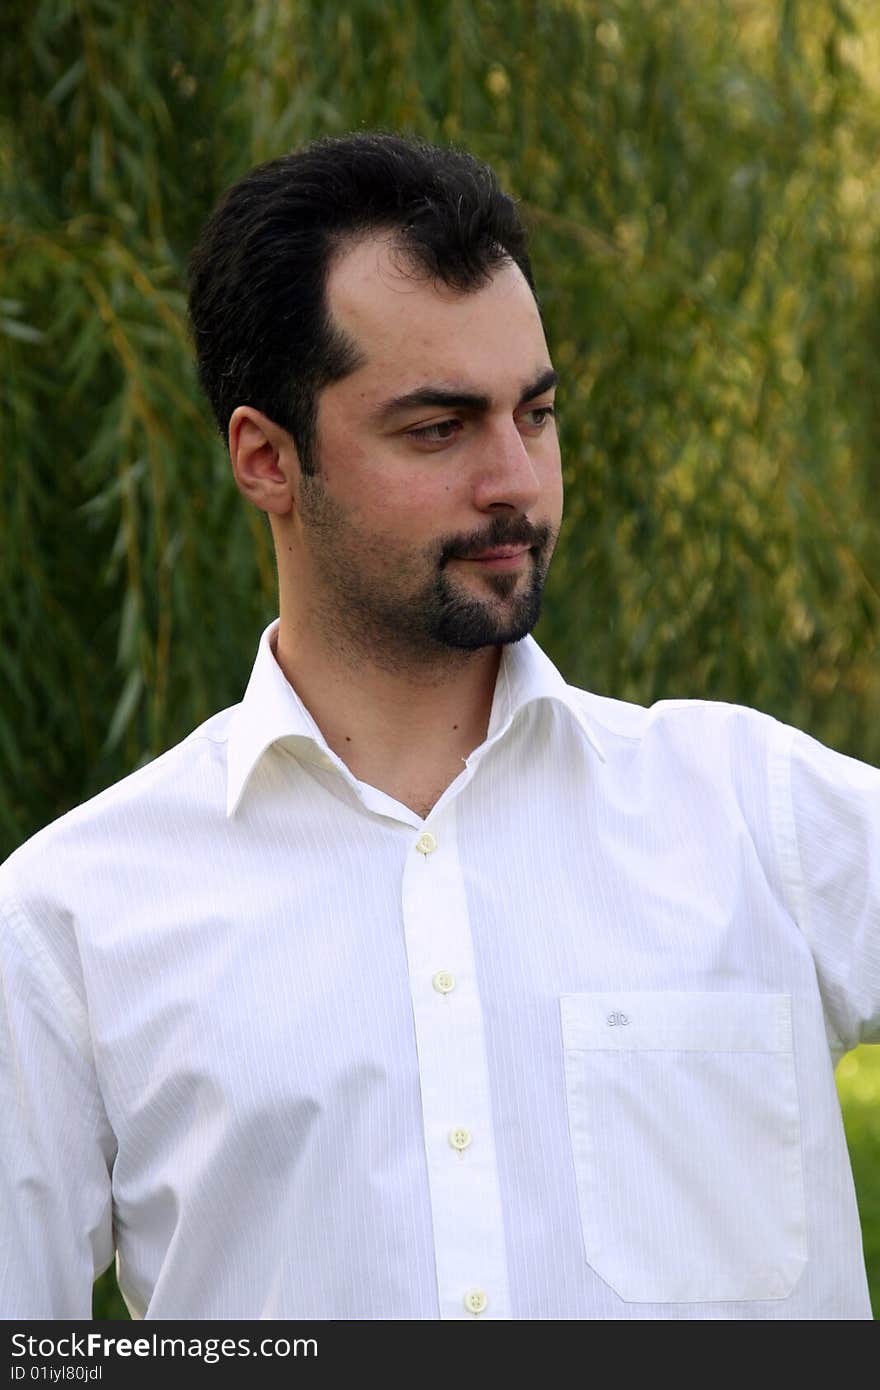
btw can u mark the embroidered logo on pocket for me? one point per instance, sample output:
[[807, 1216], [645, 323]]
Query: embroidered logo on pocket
[[616, 1018]]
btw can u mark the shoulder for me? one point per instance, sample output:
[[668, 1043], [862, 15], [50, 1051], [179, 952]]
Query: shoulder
[[180, 787], [695, 727]]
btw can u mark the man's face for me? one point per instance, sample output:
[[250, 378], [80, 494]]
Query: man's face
[[409, 493]]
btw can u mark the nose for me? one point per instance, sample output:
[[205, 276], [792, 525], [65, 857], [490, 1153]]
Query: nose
[[507, 473]]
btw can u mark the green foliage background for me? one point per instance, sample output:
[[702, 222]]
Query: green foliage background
[[699, 177]]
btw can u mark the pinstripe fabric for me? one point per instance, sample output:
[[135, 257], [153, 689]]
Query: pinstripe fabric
[[225, 1055]]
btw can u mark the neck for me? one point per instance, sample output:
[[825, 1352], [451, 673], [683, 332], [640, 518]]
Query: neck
[[394, 726]]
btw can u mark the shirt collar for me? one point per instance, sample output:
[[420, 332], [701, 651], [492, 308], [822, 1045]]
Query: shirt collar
[[272, 711]]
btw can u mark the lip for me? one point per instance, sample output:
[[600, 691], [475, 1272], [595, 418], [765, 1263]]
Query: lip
[[503, 558]]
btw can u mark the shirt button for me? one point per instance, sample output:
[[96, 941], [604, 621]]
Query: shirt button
[[426, 844], [443, 982], [459, 1138], [475, 1300]]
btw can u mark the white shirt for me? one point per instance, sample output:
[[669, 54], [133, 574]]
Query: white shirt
[[562, 1050]]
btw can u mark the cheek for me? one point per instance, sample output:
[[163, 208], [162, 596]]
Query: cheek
[[411, 515], [557, 496], [390, 514], [384, 493], [344, 466], [551, 483]]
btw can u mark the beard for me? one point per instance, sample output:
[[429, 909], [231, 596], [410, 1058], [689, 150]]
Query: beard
[[405, 609]]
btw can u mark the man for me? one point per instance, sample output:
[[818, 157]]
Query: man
[[421, 984]]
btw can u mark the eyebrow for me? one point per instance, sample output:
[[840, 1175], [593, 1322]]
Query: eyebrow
[[455, 399]]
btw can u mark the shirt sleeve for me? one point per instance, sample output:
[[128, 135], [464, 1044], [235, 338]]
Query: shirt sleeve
[[56, 1146], [827, 814]]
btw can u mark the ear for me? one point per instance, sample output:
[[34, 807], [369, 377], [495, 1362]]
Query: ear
[[265, 462]]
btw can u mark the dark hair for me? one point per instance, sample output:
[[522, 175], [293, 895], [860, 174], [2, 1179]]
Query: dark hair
[[261, 325]]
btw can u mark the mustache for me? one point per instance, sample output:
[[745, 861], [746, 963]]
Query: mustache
[[504, 531]]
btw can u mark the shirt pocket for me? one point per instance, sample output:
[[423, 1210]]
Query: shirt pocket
[[685, 1131]]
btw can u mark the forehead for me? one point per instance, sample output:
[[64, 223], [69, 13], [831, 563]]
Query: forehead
[[410, 330]]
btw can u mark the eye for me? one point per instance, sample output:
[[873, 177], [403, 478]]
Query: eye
[[441, 433], [543, 412]]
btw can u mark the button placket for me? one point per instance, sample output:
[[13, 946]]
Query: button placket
[[462, 1170]]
